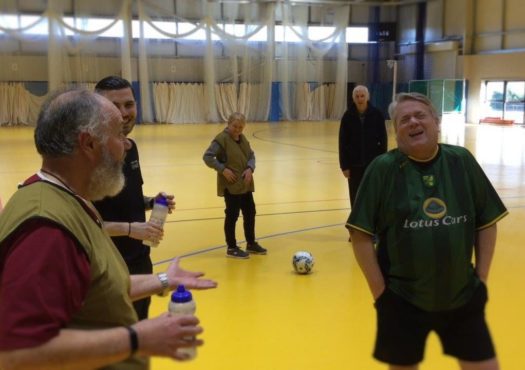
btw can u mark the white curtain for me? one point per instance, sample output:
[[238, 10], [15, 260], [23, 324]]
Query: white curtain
[[172, 102], [304, 93], [76, 52], [71, 48], [17, 105], [238, 61]]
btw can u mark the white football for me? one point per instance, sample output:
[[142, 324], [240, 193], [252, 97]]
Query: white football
[[303, 262]]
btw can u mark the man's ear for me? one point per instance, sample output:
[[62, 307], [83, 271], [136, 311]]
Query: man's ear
[[88, 144]]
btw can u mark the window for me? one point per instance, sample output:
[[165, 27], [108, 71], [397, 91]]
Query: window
[[514, 101], [504, 100], [39, 26]]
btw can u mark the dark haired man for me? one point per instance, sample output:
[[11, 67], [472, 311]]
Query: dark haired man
[[124, 214]]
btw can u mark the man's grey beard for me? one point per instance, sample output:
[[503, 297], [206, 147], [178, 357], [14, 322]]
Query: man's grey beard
[[107, 180]]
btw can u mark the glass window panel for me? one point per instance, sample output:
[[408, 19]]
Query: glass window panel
[[493, 106], [515, 91], [357, 35], [493, 109], [316, 33], [39, 26], [514, 111], [35, 25], [495, 90]]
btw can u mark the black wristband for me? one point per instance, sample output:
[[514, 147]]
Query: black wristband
[[129, 228], [133, 340]]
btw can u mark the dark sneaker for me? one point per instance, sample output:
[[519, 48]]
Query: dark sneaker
[[255, 248], [237, 253]]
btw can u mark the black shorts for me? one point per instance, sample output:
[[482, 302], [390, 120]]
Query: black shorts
[[402, 330]]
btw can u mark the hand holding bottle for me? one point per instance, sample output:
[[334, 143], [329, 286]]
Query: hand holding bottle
[[158, 216], [182, 303]]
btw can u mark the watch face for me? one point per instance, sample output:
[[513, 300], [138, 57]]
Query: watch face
[[163, 278]]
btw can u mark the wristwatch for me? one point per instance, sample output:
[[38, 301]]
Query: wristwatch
[[163, 278]]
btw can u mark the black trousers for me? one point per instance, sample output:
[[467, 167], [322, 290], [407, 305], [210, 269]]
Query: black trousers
[[143, 266], [356, 175], [234, 204]]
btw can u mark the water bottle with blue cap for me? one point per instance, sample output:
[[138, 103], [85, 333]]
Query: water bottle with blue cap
[[182, 303]]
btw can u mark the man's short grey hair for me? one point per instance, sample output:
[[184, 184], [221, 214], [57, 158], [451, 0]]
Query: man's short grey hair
[[361, 88], [63, 116], [236, 116], [412, 96]]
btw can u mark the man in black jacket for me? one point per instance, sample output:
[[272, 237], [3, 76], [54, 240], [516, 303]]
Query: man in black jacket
[[362, 137]]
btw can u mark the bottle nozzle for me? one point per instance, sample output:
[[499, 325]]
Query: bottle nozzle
[[181, 295]]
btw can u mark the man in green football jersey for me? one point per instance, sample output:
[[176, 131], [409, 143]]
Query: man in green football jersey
[[432, 207]]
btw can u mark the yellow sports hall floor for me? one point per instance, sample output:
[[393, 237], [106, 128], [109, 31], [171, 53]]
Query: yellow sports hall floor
[[263, 316]]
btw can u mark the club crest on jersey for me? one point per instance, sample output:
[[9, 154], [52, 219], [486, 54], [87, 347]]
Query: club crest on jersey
[[434, 208], [428, 180]]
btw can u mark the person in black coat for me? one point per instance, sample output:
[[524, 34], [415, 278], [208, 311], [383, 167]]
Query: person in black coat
[[362, 137]]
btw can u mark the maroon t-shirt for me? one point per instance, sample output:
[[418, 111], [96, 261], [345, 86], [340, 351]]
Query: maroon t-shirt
[[44, 279]]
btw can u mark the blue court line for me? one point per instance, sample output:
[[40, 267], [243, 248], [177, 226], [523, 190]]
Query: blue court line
[[206, 250], [262, 214], [201, 251], [260, 204], [297, 212], [256, 133]]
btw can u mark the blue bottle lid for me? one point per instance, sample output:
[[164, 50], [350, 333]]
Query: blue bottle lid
[[181, 295], [161, 200]]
